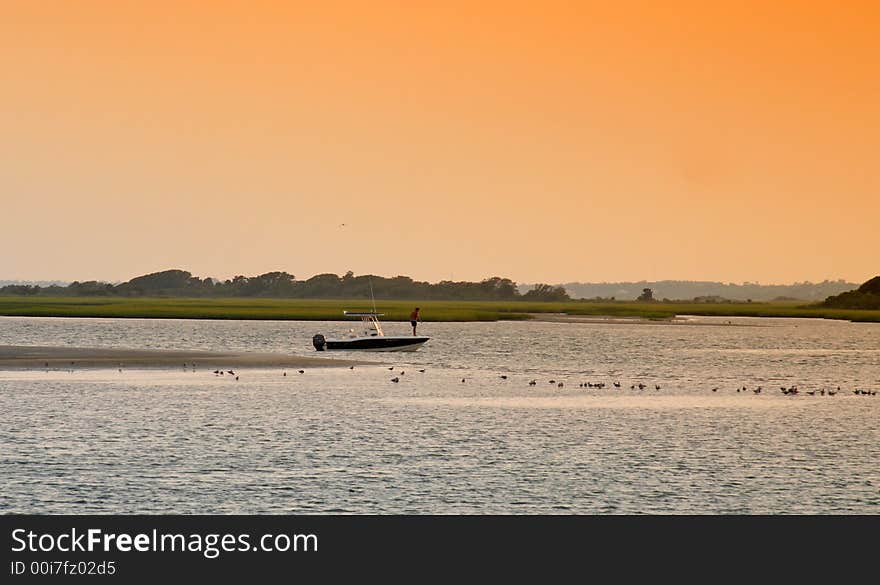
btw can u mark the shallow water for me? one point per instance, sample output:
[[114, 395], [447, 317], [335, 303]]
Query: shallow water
[[342, 440]]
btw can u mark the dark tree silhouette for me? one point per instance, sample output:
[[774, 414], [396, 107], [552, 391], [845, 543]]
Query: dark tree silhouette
[[278, 284]]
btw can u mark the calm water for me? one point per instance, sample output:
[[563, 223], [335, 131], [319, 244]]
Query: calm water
[[351, 441]]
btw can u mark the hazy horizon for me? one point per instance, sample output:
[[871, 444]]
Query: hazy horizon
[[543, 142], [518, 282]]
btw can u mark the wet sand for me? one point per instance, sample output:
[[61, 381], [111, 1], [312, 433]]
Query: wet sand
[[21, 356]]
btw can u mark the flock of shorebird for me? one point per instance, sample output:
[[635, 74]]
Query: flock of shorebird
[[789, 391], [786, 390]]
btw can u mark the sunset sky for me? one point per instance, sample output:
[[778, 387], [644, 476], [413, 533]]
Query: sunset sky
[[540, 141]]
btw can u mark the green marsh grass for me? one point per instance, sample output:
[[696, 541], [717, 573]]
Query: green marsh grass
[[331, 309]]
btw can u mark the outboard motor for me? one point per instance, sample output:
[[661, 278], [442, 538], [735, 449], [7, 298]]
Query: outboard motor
[[319, 342]]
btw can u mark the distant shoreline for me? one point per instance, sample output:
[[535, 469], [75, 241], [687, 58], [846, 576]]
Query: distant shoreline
[[64, 357]]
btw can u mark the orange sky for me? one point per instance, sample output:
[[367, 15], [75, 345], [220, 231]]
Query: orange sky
[[542, 141]]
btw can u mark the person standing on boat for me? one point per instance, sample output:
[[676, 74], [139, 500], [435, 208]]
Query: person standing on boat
[[414, 319]]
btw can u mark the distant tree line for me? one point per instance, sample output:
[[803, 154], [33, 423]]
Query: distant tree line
[[685, 290], [180, 283]]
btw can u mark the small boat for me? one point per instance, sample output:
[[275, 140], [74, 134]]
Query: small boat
[[372, 339]]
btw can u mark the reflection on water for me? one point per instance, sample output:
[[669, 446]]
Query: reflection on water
[[341, 440]]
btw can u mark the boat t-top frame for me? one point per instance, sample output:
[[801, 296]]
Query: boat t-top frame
[[369, 319]]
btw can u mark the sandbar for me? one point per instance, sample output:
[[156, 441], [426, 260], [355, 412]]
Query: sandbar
[[619, 320], [66, 357]]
